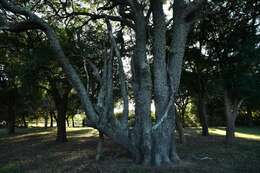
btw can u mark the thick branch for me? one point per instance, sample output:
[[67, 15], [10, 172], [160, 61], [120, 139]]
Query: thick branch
[[122, 77], [21, 27], [103, 16], [94, 69], [86, 71], [239, 105]]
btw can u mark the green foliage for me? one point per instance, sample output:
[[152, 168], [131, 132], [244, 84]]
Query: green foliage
[[10, 168], [190, 116], [223, 53]]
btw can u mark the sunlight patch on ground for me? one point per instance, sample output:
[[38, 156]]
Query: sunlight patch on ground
[[222, 132], [21, 137], [74, 129], [82, 132]]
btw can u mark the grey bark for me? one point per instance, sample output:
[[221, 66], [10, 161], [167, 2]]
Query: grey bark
[[179, 37], [178, 41], [100, 146], [123, 81], [163, 135], [142, 141], [232, 107], [230, 119], [142, 86]]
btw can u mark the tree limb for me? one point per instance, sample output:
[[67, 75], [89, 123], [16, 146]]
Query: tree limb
[[21, 27], [123, 83], [103, 16], [240, 104], [94, 69]]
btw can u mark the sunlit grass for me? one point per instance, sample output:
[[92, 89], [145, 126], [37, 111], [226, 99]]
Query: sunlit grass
[[249, 135], [23, 134], [81, 132]]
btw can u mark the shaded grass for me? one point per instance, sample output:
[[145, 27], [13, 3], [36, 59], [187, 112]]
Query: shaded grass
[[33, 150]]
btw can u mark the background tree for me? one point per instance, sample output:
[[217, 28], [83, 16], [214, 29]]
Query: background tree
[[230, 45]]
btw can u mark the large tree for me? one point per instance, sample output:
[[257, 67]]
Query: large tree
[[147, 142]]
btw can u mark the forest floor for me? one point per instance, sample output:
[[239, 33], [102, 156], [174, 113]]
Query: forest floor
[[34, 150]]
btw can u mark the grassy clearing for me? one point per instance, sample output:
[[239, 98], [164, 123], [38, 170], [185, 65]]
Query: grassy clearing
[[33, 150], [242, 132]]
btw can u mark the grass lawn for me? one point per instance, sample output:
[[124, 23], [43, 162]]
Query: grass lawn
[[34, 150]]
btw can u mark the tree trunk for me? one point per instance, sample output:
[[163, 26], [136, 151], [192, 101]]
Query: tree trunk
[[24, 121], [250, 117], [37, 122], [11, 109], [202, 112], [72, 119], [46, 119], [182, 116], [11, 119], [100, 146], [60, 97], [68, 122], [177, 49], [142, 87], [231, 109], [61, 124], [164, 135], [230, 129], [180, 129], [84, 122], [51, 117]]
